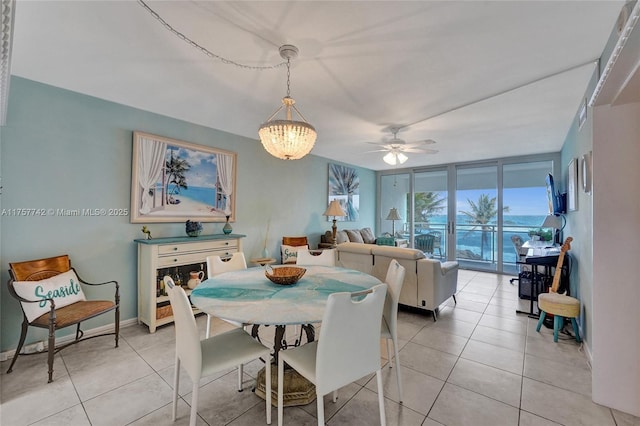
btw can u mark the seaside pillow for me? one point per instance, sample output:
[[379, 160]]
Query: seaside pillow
[[63, 288], [290, 253]]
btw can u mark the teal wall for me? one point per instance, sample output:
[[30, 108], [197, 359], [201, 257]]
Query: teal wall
[[578, 142], [64, 150]]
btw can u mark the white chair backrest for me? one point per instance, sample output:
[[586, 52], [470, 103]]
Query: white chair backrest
[[216, 266], [394, 280], [188, 347], [326, 258], [349, 343]]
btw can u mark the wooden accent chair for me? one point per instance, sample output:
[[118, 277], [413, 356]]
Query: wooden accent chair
[[290, 255], [559, 305], [58, 318]]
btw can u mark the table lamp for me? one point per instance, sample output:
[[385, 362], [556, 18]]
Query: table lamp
[[393, 216], [555, 222], [334, 209]]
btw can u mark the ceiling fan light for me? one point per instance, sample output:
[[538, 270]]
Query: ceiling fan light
[[390, 159], [393, 158]]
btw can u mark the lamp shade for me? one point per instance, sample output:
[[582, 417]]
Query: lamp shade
[[552, 221], [393, 214], [334, 209]]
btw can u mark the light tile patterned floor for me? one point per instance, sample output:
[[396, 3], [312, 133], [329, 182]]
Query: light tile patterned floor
[[479, 364]]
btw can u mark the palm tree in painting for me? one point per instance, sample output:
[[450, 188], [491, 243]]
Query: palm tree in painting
[[175, 169], [482, 215], [345, 181]]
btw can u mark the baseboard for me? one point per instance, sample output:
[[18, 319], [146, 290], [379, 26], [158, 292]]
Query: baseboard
[[41, 345]]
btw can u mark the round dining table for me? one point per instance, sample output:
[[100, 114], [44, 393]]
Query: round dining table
[[247, 296]]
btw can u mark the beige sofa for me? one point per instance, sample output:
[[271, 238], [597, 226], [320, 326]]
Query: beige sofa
[[427, 283]]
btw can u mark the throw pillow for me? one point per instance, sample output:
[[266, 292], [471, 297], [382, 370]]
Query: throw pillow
[[63, 288], [367, 236], [341, 237], [290, 253], [355, 236]]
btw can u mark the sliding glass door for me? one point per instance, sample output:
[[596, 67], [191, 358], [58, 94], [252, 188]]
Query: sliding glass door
[[476, 218], [472, 213]]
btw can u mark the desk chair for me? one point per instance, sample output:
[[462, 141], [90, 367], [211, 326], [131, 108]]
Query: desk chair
[[67, 310], [204, 357], [559, 305], [517, 242], [347, 350], [389, 331]]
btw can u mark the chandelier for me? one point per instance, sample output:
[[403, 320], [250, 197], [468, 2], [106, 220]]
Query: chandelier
[[287, 139]]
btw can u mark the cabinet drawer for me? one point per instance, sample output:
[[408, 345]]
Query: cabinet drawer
[[171, 249], [185, 259]]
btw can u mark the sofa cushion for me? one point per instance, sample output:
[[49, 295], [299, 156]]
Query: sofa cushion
[[342, 237], [367, 236], [63, 288], [397, 252], [355, 236], [355, 248]]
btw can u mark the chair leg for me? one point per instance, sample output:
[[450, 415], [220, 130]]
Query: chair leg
[[117, 324], [543, 314], [386, 342], [208, 332], [435, 318], [398, 374], [320, 401], [267, 379], [23, 336], [455, 302], [574, 323], [557, 323], [194, 401], [383, 417], [240, 373], [280, 391], [52, 344], [176, 385]]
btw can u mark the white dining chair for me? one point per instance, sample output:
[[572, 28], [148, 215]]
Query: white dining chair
[[347, 350], [326, 258], [205, 357], [389, 331], [217, 266]]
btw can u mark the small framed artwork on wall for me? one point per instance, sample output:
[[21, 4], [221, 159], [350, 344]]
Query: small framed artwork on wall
[[572, 185]]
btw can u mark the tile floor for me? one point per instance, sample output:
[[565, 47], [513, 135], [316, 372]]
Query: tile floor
[[479, 364]]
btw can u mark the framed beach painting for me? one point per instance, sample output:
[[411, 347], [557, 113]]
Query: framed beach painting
[[172, 181], [344, 186]]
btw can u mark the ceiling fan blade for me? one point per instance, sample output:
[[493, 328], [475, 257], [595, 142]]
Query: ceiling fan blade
[[421, 150], [377, 150]]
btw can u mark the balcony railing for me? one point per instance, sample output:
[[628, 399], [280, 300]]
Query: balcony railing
[[475, 243]]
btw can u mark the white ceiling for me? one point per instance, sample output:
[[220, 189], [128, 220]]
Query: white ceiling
[[484, 79]]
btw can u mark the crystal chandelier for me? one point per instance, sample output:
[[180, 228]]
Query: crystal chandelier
[[287, 139]]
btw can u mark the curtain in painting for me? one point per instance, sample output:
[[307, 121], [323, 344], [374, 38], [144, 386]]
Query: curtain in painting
[[225, 177], [151, 155]]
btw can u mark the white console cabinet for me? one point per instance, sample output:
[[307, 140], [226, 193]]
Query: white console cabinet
[[176, 257]]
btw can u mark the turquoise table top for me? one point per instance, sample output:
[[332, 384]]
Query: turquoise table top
[[247, 296]]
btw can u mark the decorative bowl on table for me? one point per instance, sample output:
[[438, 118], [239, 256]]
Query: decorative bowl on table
[[285, 275]]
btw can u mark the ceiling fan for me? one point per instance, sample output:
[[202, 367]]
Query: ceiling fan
[[396, 148]]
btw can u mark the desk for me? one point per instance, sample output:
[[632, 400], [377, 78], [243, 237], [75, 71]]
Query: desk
[[539, 253], [247, 296]]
